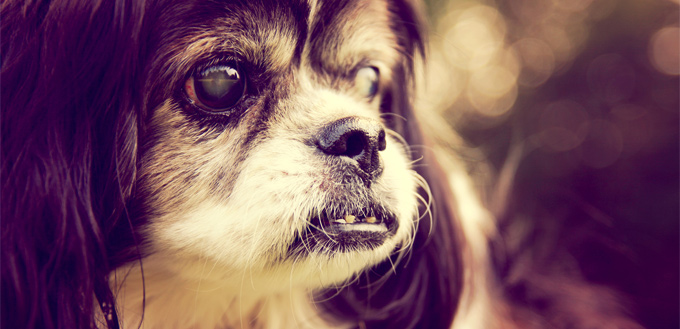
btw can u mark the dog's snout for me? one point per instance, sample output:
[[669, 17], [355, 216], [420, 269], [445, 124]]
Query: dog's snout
[[357, 138]]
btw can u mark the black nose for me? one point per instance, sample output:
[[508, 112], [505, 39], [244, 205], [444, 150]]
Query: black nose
[[357, 138]]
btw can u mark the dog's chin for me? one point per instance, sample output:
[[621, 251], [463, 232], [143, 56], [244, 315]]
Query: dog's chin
[[329, 253], [327, 247]]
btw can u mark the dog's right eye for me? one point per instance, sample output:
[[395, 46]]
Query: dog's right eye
[[217, 88]]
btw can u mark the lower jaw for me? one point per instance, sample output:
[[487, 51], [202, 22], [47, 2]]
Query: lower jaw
[[349, 240], [340, 239]]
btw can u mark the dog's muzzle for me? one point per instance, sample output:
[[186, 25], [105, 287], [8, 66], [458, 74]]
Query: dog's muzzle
[[351, 218]]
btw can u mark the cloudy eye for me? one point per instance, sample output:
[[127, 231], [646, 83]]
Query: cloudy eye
[[366, 81], [217, 88]]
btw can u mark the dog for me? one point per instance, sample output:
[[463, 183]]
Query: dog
[[231, 164]]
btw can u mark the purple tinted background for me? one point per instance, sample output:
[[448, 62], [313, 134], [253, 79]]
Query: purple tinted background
[[599, 123]]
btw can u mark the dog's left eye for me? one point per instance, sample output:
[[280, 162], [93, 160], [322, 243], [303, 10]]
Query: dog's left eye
[[366, 81], [216, 88]]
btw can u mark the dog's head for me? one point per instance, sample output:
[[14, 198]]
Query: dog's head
[[273, 139], [266, 147]]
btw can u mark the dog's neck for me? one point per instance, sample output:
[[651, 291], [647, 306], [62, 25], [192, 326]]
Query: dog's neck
[[171, 300]]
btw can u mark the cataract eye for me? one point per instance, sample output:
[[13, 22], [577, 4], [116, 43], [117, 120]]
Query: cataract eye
[[217, 88], [366, 81]]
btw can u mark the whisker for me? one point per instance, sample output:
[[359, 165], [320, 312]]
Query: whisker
[[394, 115]]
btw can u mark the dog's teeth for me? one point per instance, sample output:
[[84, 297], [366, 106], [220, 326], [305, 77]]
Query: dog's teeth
[[350, 219], [340, 221], [370, 219]]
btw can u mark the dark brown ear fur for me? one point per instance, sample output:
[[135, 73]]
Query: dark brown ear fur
[[68, 152], [422, 290]]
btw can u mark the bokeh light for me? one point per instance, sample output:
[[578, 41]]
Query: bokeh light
[[603, 144], [564, 125], [488, 59], [611, 78], [485, 58], [537, 60], [664, 50]]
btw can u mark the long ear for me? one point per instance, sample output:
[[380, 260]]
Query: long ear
[[68, 144], [423, 290]]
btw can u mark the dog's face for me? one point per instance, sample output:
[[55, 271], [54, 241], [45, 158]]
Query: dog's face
[[266, 151]]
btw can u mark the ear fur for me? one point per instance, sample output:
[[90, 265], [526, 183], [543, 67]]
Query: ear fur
[[69, 123]]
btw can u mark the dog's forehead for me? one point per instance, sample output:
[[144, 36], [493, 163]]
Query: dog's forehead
[[342, 33], [328, 35]]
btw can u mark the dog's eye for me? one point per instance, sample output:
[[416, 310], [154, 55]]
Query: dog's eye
[[366, 81], [216, 88]]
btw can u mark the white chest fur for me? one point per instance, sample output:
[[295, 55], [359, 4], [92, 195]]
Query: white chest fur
[[165, 299]]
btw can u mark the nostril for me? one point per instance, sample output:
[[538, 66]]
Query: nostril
[[356, 143], [358, 138]]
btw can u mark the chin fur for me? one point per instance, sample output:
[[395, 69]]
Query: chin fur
[[142, 188]]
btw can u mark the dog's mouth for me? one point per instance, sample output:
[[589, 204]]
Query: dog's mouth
[[344, 229], [370, 219]]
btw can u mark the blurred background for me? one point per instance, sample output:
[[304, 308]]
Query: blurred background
[[586, 94]]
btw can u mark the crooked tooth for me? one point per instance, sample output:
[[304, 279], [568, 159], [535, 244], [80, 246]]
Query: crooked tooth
[[370, 219], [350, 219]]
